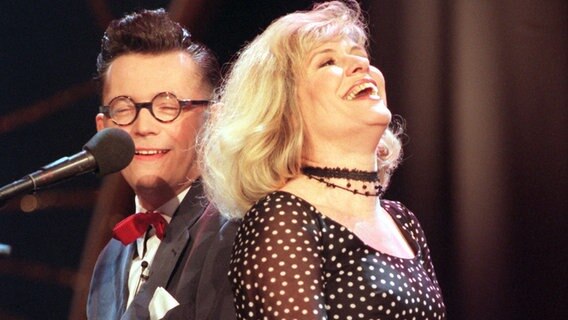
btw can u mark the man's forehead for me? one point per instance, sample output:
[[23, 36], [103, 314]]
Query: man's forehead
[[146, 75]]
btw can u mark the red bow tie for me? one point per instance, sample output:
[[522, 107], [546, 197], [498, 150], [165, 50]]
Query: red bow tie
[[134, 226]]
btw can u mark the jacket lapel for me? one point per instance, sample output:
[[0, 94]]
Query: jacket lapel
[[122, 274], [170, 250], [108, 293]]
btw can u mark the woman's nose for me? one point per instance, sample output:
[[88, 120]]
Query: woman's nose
[[357, 64]]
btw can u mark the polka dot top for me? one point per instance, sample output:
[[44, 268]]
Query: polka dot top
[[290, 261]]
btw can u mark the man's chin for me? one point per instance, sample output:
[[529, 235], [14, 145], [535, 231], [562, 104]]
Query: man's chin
[[148, 184]]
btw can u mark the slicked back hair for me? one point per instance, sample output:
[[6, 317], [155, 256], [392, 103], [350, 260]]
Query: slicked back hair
[[153, 32]]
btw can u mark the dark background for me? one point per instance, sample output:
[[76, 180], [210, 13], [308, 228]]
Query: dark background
[[481, 85]]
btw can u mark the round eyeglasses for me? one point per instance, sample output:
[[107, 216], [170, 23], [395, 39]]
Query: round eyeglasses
[[164, 107]]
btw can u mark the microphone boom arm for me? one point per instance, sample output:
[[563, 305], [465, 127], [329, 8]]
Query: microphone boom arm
[[59, 170]]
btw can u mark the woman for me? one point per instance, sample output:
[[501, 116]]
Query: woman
[[300, 149]]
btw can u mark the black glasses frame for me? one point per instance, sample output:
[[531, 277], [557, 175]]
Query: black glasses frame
[[105, 109]]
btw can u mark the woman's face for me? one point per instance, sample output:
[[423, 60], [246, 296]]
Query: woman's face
[[341, 95]]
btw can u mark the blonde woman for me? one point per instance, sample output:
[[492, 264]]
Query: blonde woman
[[300, 149]]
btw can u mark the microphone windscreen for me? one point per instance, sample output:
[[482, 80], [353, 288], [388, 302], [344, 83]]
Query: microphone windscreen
[[112, 148]]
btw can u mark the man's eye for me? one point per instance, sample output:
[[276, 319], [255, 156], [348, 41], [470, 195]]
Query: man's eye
[[121, 109]]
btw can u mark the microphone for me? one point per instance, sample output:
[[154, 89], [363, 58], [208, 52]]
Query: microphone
[[144, 277], [109, 150], [144, 265]]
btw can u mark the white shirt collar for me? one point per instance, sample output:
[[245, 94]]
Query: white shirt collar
[[167, 209]]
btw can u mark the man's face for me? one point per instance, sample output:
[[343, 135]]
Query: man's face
[[165, 160]]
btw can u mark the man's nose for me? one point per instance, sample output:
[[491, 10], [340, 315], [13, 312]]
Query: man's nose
[[145, 123]]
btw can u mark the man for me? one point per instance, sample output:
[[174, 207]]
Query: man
[[156, 84]]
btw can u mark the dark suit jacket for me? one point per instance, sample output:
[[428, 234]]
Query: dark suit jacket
[[191, 263]]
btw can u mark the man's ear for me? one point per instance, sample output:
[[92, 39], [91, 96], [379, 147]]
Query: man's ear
[[100, 121], [214, 108]]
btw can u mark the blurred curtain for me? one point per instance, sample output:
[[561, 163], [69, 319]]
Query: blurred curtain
[[482, 86]]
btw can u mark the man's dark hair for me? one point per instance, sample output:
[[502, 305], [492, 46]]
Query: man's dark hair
[[153, 32]]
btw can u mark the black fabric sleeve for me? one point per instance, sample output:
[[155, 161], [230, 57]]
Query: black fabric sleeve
[[276, 267]]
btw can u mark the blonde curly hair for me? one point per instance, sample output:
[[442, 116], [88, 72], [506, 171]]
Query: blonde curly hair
[[253, 141]]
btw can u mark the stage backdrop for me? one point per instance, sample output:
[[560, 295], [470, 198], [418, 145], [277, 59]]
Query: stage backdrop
[[481, 86]]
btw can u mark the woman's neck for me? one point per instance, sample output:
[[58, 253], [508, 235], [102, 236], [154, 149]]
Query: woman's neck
[[332, 202], [364, 162]]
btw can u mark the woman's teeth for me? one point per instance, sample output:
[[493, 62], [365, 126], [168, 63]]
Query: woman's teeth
[[357, 90]]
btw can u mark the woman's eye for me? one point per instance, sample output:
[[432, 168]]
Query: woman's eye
[[328, 62]]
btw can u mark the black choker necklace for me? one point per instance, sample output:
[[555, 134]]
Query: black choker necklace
[[324, 175]]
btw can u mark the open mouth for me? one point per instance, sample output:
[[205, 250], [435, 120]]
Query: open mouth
[[364, 89]]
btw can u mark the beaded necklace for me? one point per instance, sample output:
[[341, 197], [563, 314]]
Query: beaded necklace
[[324, 175]]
